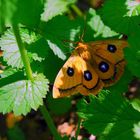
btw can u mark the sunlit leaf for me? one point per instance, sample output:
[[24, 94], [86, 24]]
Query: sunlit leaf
[[119, 15], [98, 26], [8, 72], [136, 103], [10, 48], [57, 50], [136, 130], [53, 8], [22, 96]]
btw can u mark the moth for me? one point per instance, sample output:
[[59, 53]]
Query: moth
[[91, 67]]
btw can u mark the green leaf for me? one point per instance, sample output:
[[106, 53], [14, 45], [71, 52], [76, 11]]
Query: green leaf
[[109, 115], [132, 54], [49, 69], [30, 18], [57, 51], [22, 96], [120, 16], [24, 12], [11, 75], [133, 63], [56, 106], [55, 35], [136, 130], [39, 47], [8, 8], [35, 57], [11, 52], [97, 25], [7, 72], [53, 8], [136, 103], [46, 66]]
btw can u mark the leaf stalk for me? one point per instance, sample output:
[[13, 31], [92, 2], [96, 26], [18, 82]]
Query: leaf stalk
[[23, 52], [50, 123]]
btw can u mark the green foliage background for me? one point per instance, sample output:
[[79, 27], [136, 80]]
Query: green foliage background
[[43, 26]]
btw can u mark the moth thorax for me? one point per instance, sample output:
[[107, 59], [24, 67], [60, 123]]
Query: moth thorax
[[86, 55], [83, 50]]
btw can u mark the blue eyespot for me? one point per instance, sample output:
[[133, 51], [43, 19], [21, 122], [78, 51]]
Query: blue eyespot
[[111, 48], [103, 66], [70, 71], [87, 75]]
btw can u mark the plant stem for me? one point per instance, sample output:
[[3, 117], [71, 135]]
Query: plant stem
[[77, 10], [23, 52], [50, 123], [78, 128], [28, 70]]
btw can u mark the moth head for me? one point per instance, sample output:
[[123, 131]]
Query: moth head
[[83, 50]]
